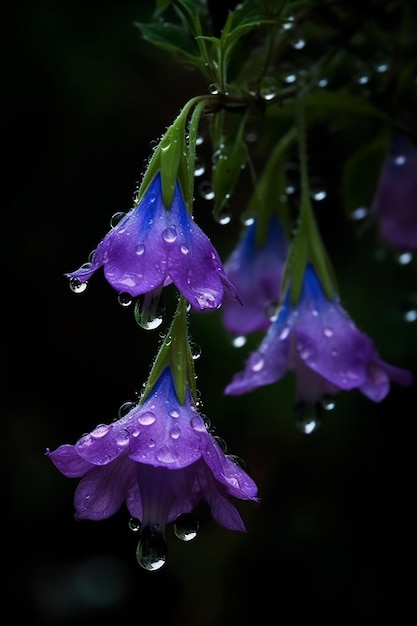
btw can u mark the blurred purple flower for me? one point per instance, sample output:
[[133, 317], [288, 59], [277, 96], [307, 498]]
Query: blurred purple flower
[[161, 460], [256, 271], [319, 341], [395, 200], [151, 247]]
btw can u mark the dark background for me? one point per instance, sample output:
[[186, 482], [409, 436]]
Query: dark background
[[334, 537]]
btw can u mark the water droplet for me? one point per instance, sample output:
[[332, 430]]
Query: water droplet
[[319, 195], [101, 430], [290, 78], [410, 308], [298, 44], [169, 235], [184, 249], [268, 88], [323, 82], [165, 455], [328, 332], [175, 432], [399, 159], [140, 249], [198, 424], [327, 403], [151, 552], [271, 310], [199, 168], [77, 285], [174, 413], [186, 527], [195, 351], [404, 258], [381, 67], [239, 342], [248, 221], [122, 437], [199, 140], [150, 309], [134, 524], [359, 214], [284, 333], [258, 364], [115, 219], [126, 408], [363, 79], [289, 23], [307, 417], [147, 418], [206, 190], [124, 299], [221, 443], [237, 460], [224, 218], [213, 89]]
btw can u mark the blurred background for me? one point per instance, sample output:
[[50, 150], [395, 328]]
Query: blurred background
[[334, 537]]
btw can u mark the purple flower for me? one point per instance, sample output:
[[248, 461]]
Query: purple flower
[[395, 200], [319, 341], [256, 270], [161, 461], [152, 246]]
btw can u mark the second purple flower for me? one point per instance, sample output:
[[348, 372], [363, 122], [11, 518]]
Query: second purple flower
[[152, 247]]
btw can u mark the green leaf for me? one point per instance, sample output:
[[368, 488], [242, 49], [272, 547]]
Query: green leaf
[[171, 38]]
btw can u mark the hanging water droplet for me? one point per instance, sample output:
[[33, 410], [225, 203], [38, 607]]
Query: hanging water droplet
[[298, 44], [381, 67], [359, 214], [307, 417], [327, 403], [77, 285], [221, 442], [151, 552], [149, 310], [125, 408], [237, 460], [205, 190], [186, 527], [213, 89], [195, 351], [319, 195], [199, 168], [362, 79], [404, 258], [134, 524], [199, 140], [290, 78], [247, 220], [410, 308], [289, 23], [124, 299], [239, 342], [223, 218], [271, 309], [115, 218], [268, 88], [399, 159]]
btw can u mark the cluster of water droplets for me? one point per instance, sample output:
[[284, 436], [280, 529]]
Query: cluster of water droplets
[[308, 417], [151, 551]]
